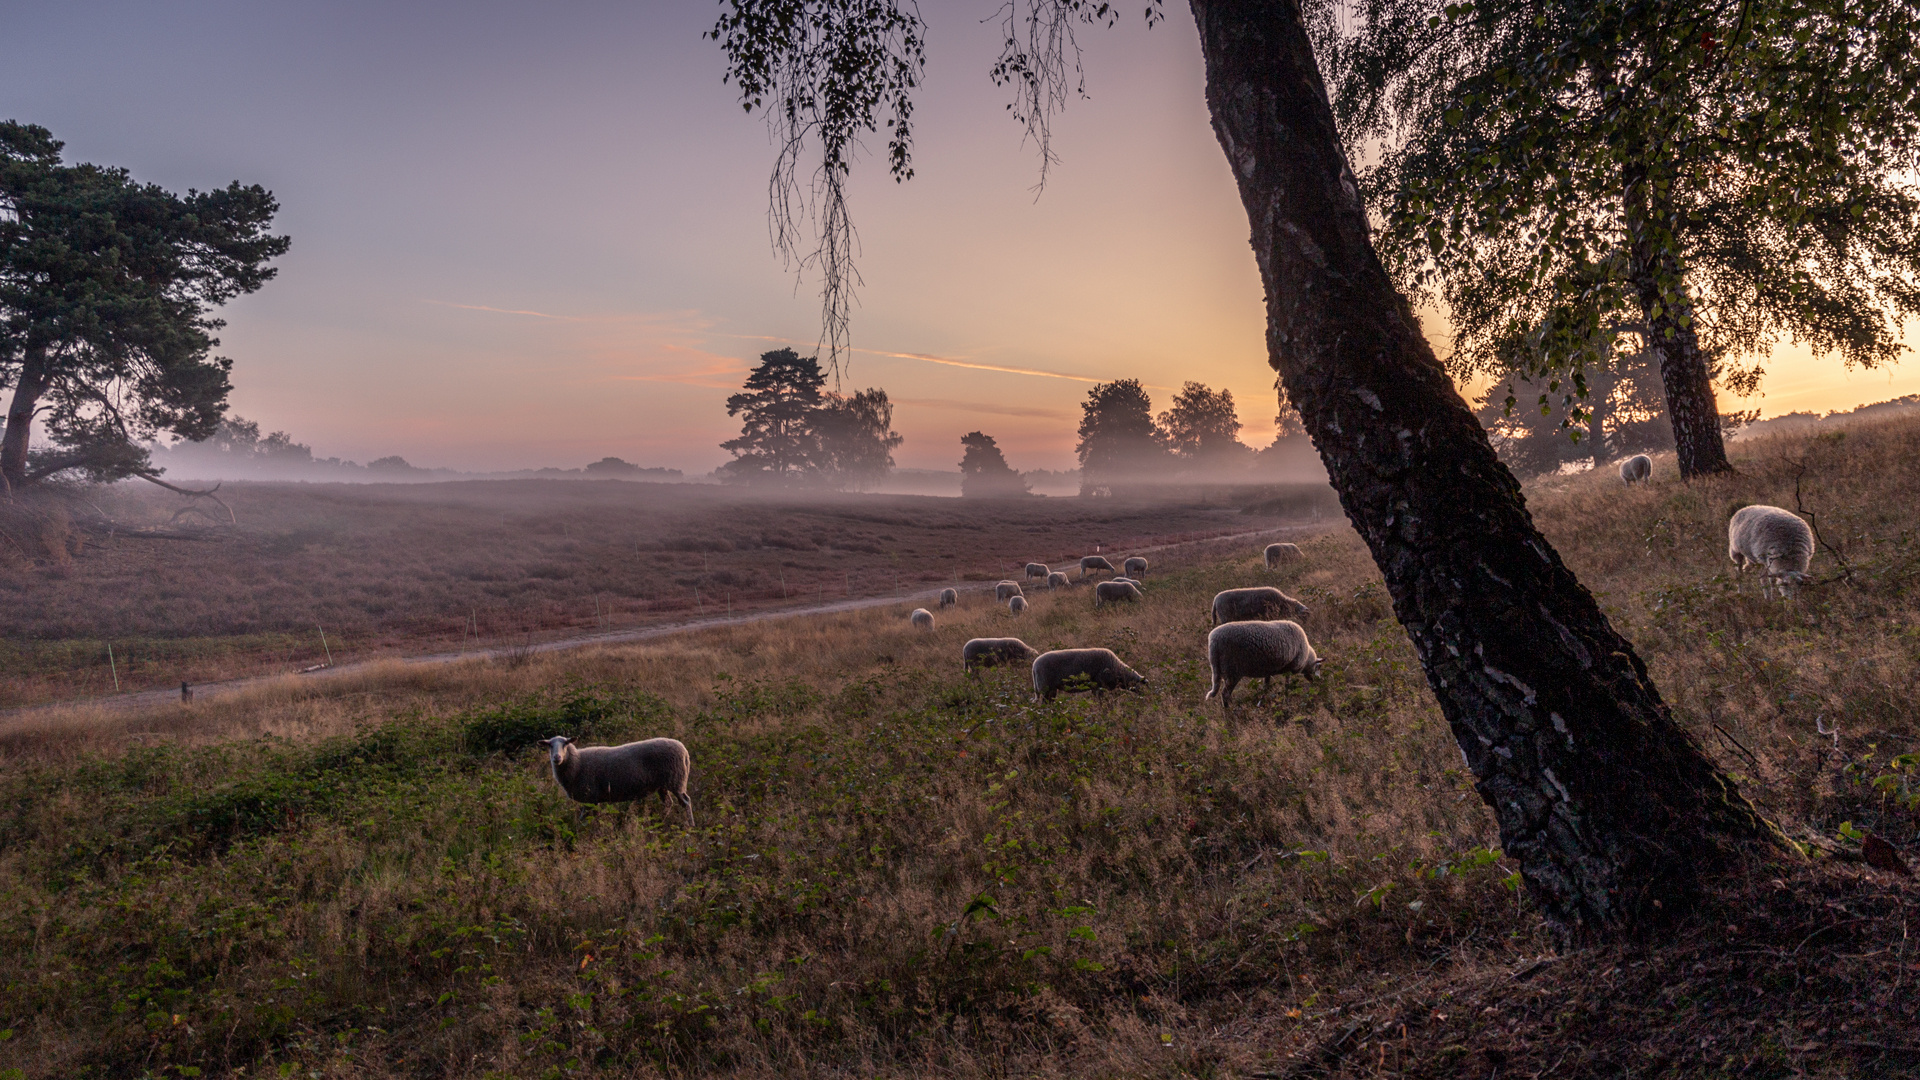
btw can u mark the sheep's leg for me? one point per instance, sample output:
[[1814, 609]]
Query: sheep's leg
[[1226, 693], [687, 800], [1266, 688]]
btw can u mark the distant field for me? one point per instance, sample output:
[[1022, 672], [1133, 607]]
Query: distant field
[[391, 568]]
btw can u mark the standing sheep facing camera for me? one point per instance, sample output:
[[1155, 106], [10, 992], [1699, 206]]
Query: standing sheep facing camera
[[1052, 671], [949, 597], [1281, 553], [1773, 539], [921, 618], [985, 652], [603, 774], [1058, 580], [1257, 650], [1636, 468], [1006, 589], [1090, 563], [1112, 592], [1017, 604], [1242, 605], [1036, 570], [1135, 566]]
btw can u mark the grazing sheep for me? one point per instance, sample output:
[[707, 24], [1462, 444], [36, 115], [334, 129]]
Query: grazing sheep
[[1054, 671], [1058, 580], [1089, 563], [1773, 539], [602, 774], [1257, 650], [1242, 605], [1006, 589], [985, 652], [1037, 570], [1112, 592], [921, 618], [1017, 604], [1135, 565], [1637, 467], [1279, 553], [949, 597]]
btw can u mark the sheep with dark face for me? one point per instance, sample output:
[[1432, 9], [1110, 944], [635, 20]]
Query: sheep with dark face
[[1135, 567], [986, 652], [1773, 539], [949, 597], [1257, 650], [1265, 602], [1076, 670], [1636, 469], [1281, 553], [1090, 563], [921, 618], [1006, 589], [1058, 580], [604, 774], [1112, 592], [1036, 571]]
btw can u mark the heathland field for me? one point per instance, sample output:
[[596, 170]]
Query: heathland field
[[899, 870], [391, 569]]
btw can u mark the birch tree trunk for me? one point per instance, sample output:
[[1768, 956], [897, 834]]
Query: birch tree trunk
[[1611, 809]]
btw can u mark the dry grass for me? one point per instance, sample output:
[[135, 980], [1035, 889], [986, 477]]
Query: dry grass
[[903, 871], [390, 569]]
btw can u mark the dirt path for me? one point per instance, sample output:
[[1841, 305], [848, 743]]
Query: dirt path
[[144, 699]]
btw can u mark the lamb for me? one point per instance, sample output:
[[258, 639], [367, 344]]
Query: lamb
[[921, 618], [1135, 565], [985, 652], [1112, 592], [949, 597], [1037, 570], [1637, 467], [1058, 580], [1089, 563], [1257, 650], [1279, 553], [1006, 589], [1063, 669], [1775, 540], [602, 774], [1017, 605], [1242, 605]]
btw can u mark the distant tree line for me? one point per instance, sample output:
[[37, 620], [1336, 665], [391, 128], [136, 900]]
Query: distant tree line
[[795, 433]]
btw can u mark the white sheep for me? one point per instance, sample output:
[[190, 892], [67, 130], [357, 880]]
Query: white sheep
[[1135, 565], [1112, 592], [949, 597], [1241, 605], [1089, 563], [1281, 553], [1063, 669], [1637, 467], [1037, 570], [1058, 580], [1006, 589], [603, 774], [985, 652], [1257, 650], [921, 618], [1017, 605], [1773, 539]]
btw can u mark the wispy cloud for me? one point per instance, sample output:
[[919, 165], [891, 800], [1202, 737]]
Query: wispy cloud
[[503, 311], [951, 361], [986, 407]]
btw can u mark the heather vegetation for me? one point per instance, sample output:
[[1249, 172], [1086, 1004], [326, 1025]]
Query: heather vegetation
[[903, 870]]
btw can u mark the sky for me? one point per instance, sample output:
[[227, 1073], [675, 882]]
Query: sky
[[535, 234]]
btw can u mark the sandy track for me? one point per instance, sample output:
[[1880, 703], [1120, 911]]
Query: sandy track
[[146, 699]]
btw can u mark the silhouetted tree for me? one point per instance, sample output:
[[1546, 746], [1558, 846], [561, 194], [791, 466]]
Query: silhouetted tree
[[1612, 810], [1118, 438], [984, 470], [856, 438], [1623, 413], [1203, 425], [777, 442], [105, 291]]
